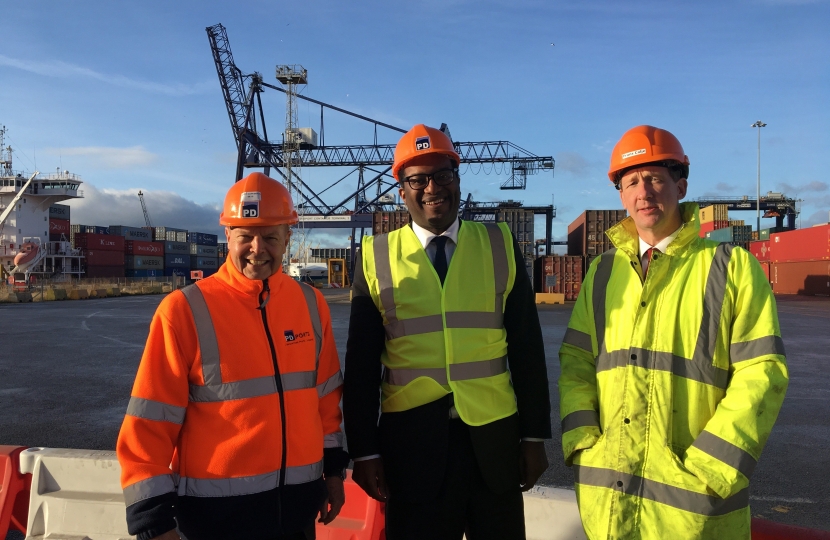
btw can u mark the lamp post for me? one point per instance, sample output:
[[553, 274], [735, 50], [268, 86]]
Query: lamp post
[[758, 124]]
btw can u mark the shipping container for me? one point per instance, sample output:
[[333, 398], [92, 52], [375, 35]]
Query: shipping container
[[811, 244], [559, 274], [204, 251], [760, 248], [140, 262], [710, 226], [203, 239], [104, 271], [90, 229], [59, 226], [586, 234], [203, 263], [736, 223], [732, 235], [222, 248], [764, 234], [142, 273], [765, 265], [59, 211], [521, 224], [177, 247], [715, 212], [176, 260], [384, 222], [175, 271], [132, 233], [137, 247], [811, 278], [101, 242], [97, 257], [161, 234]]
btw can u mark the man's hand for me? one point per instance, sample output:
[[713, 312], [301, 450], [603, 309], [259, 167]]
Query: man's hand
[[368, 474], [334, 502], [532, 463], [169, 535]]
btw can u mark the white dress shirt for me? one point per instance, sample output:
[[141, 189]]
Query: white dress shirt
[[661, 247], [425, 237]]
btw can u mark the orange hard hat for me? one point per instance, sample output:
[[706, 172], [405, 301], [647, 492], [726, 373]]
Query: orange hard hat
[[422, 140], [258, 201], [642, 145]]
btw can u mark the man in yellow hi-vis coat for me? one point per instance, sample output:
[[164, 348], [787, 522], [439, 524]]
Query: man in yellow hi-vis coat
[[673, 368]]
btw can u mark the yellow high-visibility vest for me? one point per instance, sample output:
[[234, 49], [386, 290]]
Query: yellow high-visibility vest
[[444, 339]]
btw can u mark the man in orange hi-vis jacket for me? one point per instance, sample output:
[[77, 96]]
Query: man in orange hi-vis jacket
[[233, 426]]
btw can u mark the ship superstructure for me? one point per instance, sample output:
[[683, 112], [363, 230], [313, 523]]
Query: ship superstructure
[[26, 227]]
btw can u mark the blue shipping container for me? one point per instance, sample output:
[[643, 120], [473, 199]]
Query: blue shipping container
[[140, 262], [177, 247], [142, 273], [176, 260], [185, 272], [204, 251], [203, 263], [132, 233], [203, 239]]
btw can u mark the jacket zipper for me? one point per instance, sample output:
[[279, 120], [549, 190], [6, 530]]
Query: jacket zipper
[[277, 377]]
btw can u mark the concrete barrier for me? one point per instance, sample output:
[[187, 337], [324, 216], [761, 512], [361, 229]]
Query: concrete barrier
[[78, 294], [100, 293], [550, 298], [55, 294], [24, 296], [113, 291]]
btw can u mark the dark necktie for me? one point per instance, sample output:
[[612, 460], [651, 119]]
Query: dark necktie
[[650, 254], [440, 261]]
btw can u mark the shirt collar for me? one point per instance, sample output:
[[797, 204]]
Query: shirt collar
[[425, 236], [662, 244]]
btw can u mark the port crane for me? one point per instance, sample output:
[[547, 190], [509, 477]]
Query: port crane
[[144, 209], [775, 205]]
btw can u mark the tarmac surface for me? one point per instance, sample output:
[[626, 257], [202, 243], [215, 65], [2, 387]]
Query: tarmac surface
[[66, 370]]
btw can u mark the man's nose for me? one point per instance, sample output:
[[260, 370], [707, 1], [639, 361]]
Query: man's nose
[[256, 244], [431, 186]]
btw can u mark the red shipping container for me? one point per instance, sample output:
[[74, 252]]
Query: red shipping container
[[100, 242], [559, 274], [710, 226], [810, 244], [103, 258], [811, 278], [59, 226], [760, 248], [766, 266], [137, 247], [104, 271]]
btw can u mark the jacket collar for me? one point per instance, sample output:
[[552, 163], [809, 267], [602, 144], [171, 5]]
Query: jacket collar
[[230, 276], [624, 234]]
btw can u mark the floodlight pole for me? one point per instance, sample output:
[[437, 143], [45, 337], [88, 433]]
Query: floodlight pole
[[758, 124]]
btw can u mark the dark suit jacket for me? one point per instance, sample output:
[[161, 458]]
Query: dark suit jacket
[[413, 443]]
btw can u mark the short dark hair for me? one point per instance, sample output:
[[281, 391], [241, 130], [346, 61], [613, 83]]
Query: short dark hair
[[676, 170]]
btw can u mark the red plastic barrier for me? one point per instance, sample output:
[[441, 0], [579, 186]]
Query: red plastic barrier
[[14, 491], [362, 517], [763, 529]]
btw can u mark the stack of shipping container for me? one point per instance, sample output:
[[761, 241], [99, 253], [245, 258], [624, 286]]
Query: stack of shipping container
[[716, 225], [59, 228], [384, 222], [798, 261], [176, 250], [559, 274], [103, 254], [204, 252], [586, 234], [520, 222]]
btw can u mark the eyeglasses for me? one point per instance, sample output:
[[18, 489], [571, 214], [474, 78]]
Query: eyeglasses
[[443, 177]]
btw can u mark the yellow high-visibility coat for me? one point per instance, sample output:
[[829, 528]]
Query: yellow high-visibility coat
[[669, 387]]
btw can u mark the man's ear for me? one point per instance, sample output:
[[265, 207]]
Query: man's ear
[[682, 186]]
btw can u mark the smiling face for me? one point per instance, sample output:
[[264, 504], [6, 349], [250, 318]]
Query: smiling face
[[652, 198], [435, 207], [257, 251]]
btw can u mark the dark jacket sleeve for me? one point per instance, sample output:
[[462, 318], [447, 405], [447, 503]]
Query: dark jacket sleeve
[[526, 355], [361, 390], [152, 517]]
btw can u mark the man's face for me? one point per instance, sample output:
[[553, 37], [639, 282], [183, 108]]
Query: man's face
[[435, 207], [652, 197], [257, 251]]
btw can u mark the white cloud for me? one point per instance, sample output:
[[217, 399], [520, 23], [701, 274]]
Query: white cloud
[[815, 185], [109, 158], [59, 69], [574, 163], [822, 216]]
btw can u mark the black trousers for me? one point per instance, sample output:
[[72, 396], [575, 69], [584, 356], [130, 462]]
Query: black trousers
[[464, 504]]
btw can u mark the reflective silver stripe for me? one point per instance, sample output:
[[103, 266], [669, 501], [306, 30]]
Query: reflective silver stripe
[[333, 440], [477, 319], [725, 451], [314, 313], [675, 497], [579, 419], [664, 361], [247, 485], [478, 370], [249, 388], [411, 327], [747, 350], [150, 487], [298, 380], [208, 346], [501, 267], [155, 410], [578, 339], [712, 304], [383, 271], [333, 383], [402, 377], [601, 278]]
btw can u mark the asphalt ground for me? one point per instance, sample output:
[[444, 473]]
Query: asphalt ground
[[66, 370]]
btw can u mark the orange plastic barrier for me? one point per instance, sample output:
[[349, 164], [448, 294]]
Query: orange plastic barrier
[[362, 517], [763, 529], [14, 491]]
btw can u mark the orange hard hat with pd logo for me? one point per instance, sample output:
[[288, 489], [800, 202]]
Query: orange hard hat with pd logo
[[642, 145], [419, 141], [258, 201]]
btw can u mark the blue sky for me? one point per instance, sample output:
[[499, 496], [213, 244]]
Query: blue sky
[[126, 94]]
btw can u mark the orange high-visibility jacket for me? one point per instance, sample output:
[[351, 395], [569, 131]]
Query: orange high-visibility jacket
[[207, 416]]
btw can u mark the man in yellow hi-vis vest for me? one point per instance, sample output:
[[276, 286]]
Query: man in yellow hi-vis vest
[[673, 368], [444, 331]]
